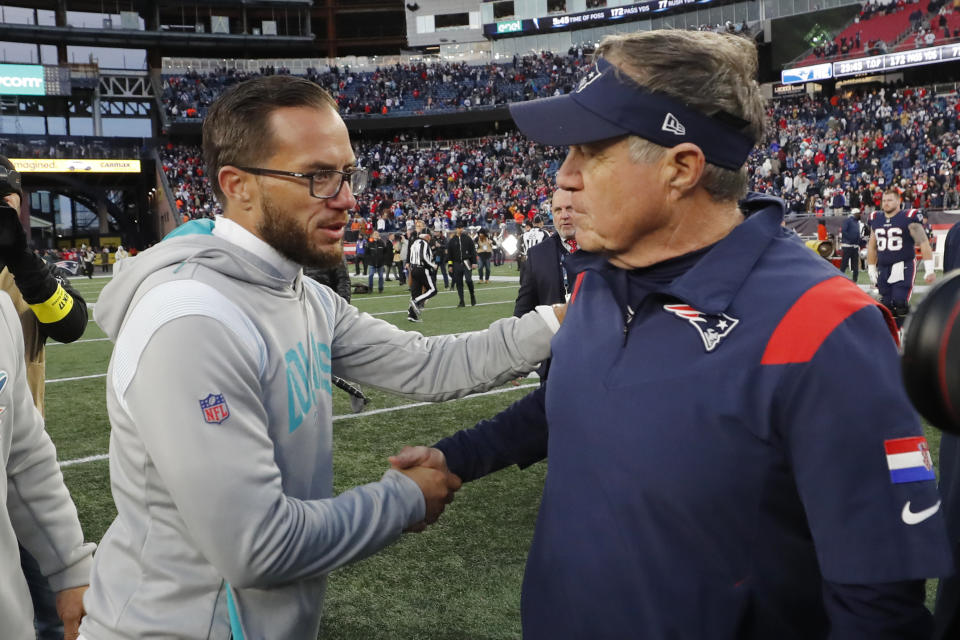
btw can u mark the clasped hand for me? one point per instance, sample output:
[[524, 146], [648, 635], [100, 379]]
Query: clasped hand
[[428, 468]]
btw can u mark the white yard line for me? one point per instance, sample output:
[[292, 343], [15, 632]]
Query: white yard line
[[440, 292], [70, 463], [96, 375], [479, 304], [349, 416], [54, 344]]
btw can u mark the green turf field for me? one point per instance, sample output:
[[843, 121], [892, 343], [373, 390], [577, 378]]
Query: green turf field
[[460, 579]]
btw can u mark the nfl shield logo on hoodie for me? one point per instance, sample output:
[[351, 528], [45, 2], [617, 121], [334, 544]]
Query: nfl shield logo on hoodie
[[214, 408]]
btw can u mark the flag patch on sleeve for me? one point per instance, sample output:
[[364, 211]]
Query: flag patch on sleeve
[[909, 460], [214, 408]]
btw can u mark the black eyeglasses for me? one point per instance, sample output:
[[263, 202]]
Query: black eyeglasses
[[325, 183]]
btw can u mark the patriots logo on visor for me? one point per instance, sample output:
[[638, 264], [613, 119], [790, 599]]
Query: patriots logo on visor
[[586, 80], [712, 328]]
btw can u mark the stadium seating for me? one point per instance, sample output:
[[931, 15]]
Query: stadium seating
[[399, 89], [852, 146], [45, 146], [872, 27], [482, 179], [856, 145], [184, 171], [950, 22]]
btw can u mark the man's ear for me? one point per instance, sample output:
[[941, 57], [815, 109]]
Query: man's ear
[[683, 166], [235, 185]]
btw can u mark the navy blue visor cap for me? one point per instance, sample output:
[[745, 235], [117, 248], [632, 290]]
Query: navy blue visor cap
[[608, 104]]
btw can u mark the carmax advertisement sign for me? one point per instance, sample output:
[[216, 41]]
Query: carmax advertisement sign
[[22, 80], [79, 165]]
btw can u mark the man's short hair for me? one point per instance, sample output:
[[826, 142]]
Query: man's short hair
[[709, 72], [237, 128], [894, 191]]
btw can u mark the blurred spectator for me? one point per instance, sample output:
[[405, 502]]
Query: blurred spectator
[[74, 147], [411, 87], [401, 88], [842, 151], [483, 180]]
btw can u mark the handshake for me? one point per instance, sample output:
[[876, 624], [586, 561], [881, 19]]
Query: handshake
[[428, 468]]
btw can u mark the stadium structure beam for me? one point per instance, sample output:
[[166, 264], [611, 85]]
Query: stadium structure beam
[[168, 42], [125, 108], [144, 6], [136, 87]]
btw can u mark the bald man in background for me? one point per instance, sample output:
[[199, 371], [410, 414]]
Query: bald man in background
[[546, 279]]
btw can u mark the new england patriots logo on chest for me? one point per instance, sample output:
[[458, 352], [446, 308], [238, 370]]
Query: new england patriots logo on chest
[[712, 328]]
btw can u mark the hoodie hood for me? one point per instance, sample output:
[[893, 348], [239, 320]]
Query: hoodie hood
[[190, 244]]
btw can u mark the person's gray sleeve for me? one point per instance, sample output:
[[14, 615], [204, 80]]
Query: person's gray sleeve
[[235, 509], [41, 510], [374, 352]]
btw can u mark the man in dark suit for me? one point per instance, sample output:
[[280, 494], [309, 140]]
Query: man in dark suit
[[546, 279], [462, 257]]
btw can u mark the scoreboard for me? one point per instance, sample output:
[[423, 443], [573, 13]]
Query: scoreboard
[[34, 80], [596, 17], [899, 60], [884, 63], [57, 80]]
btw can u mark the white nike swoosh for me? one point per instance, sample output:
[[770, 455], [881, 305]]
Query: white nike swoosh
[[911, 517]]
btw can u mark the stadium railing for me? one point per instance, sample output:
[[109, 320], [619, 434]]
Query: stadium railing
[[54, 147]]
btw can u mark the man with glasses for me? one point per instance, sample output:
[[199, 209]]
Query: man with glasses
[[219, 390]]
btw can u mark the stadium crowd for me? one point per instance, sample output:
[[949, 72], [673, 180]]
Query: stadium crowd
[[504, 177], [820, 155], [47, 147], [410, 89], [825, 154], [402, 88], [889, 25], [183, 168]]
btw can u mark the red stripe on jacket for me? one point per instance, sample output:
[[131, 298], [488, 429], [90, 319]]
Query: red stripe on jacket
[[814, 316], [576, 286]]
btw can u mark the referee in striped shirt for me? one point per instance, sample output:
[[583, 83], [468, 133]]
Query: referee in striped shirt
[[423, 276]]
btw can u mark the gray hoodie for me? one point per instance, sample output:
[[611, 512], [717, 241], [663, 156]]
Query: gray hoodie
[[220, 408], [35, 507]]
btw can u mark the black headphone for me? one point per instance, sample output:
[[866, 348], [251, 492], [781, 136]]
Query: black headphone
[[9, 181]]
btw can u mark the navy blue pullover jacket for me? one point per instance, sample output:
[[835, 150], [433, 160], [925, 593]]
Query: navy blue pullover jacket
[[711, 474]]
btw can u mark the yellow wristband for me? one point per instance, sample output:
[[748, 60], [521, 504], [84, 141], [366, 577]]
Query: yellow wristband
[[55, 308]]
